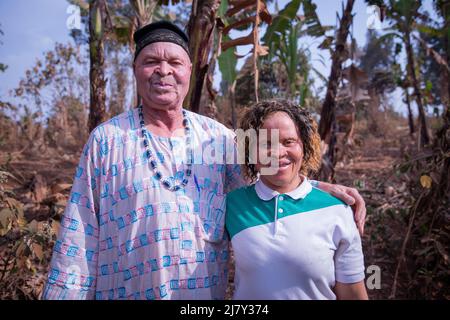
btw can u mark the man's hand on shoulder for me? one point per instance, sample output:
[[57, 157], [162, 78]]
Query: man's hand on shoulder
[[351, 197]]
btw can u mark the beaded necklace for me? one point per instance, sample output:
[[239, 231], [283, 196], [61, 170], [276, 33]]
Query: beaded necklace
[[166, 182]]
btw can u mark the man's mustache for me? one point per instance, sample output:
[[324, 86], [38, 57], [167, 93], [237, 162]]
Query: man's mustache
[[169, 80]]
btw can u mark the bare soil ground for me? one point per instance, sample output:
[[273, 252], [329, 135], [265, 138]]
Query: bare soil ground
[[42, 183]]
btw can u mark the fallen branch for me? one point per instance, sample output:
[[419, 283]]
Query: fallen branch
[[402, 252]]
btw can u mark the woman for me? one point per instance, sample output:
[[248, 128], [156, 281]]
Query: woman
[[290, 240]]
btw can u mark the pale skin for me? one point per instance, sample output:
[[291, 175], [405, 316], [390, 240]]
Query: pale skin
[[290, 156], [162, 71]]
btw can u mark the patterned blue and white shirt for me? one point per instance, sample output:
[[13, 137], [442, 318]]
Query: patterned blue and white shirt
[[124, 236]]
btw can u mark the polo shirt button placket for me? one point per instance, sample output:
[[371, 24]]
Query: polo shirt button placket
[[280, 198], [277, 211]]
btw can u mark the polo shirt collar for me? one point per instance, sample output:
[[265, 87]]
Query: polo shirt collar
[[265, 193]]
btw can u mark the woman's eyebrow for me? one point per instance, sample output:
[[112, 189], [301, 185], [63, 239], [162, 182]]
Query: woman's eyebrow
[[291, 138]]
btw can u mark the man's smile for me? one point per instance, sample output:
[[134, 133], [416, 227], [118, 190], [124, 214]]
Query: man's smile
[[162, 84]]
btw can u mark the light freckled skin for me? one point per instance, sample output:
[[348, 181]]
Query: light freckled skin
[[162, 71], [289, 153]]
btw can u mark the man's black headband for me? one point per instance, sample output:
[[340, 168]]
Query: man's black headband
[[161, 31]]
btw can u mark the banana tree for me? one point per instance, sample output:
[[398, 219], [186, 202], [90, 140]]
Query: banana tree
[[109, 21], [327, 116], [282, 39], [143, 11], [227, 62], [202, 18], [432, 204], [402, 15], [97, 17], [245, 13], [434, 40], [126, 19], [284, 47]]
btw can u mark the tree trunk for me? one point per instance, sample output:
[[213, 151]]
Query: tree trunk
[[143, 15], [438, 195], [327, 116], [97, 108], [443, 134], [423, 128], [201, 36], [143, 11], [118, 86], [410, 116], [233, 105], [209, 107], [447, 53]]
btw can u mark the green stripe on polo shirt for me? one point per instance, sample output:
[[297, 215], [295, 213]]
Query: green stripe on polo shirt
[[245, 209]]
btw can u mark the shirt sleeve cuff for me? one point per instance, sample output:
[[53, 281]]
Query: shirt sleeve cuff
[[314, 183], [353, 278]]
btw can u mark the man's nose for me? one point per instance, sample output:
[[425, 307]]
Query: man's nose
[[163, 68]]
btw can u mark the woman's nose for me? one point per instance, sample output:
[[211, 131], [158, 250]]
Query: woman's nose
[[278, 150]]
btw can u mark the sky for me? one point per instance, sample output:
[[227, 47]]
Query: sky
[[32, 27]]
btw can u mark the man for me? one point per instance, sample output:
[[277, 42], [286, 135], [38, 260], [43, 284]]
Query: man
[[144, 220]]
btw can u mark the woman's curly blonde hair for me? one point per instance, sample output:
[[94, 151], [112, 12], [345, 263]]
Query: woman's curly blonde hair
[[254, 118]]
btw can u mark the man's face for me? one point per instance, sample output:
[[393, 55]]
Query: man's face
[[163, 71]]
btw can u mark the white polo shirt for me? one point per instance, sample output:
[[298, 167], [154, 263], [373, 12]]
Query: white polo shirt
[[291, 246]]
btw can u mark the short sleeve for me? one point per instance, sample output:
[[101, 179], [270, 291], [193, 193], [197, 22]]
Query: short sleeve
[[349, 258]]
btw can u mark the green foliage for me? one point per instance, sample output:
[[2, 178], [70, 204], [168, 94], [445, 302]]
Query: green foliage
[[281, 23], [272, 84], [227, 64], [227, 59], [431, 54], [427, 243], [315, 28], [379, 63], [282, 37]]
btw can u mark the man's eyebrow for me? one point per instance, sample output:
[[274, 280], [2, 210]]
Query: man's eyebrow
[[174, 57], [150, 56], [157, 57]]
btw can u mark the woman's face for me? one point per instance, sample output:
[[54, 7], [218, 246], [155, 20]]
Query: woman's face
[[286, 153]]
